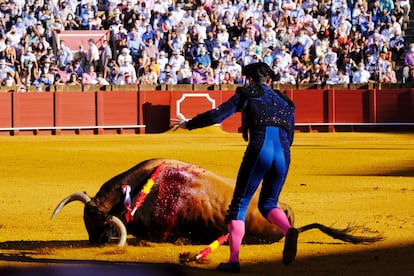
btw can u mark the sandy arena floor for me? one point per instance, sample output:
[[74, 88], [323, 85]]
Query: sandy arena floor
[[335, 179]]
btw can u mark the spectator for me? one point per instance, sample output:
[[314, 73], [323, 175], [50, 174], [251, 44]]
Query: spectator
[[73, 79], [150, 76], [5, 70], [296, 26], [361, 75], [410, 78], [387, 6], [78, 69], [352, 29], [203, 58], [162, 60], [184, 74], [175, 44], [398, 14], [287, 78], [42, 81], [295, 67], [128, 72], [250, 58], [159, 41], [284, 57], [278, 67], [237, 51], [168, 76], [64, 12], [405, 5], [86, 13], [106, 56], [397, 45], [318, 76], [176, 61], [212, 47], [304, 75], [9, 81], [235, 71], [268, 57], [151, 49], [331, 57], [65, 55], [89, 76], [134, 44], [148, 34], [70, 23], [121, 37], [227, 79], [124, 57], [223, 37], [389, 76], [343, 78], [332, 74], [306, 61], [199, 74], [298, 49], [26, 57], [408, 61], [112, 72], [92, 56], [13, 36]]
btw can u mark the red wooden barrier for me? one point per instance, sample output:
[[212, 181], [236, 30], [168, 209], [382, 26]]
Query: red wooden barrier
[[6, 111], [394, 106], [117, 108], [128, 111], [311, 106]]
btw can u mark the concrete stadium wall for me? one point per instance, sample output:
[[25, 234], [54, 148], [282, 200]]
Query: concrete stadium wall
[[149, 109]]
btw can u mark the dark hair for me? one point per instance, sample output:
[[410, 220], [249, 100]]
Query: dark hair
[[260, 72]]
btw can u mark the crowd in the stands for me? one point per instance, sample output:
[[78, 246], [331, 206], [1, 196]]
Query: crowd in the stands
[[206, 42]]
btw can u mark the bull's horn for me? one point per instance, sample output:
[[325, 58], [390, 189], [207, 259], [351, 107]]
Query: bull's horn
[[119, 225], [73, 197]]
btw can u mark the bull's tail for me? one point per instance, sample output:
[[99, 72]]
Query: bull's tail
[[342, 234]]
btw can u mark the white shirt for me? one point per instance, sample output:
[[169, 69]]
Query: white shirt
[[361, 76]]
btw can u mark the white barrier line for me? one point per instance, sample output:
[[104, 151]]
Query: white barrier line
[[70, 127]]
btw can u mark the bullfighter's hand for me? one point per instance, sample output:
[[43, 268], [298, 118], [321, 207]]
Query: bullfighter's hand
[[181, 122]]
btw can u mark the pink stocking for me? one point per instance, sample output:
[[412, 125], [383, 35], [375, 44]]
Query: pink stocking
[[236, 230], [279, 218]]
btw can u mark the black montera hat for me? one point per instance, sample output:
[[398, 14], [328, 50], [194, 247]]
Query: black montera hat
[[258, 71]]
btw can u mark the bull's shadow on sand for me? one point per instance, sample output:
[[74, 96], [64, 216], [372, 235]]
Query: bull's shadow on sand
[[20, 259]]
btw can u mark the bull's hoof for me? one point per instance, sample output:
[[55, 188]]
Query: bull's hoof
[[290, 247], [229, 267]]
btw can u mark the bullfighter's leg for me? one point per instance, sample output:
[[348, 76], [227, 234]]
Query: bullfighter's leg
[[271, 188], [257, 160]]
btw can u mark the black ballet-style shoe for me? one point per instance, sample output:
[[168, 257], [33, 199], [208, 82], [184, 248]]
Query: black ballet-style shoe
[[290, 247], [229, 267]]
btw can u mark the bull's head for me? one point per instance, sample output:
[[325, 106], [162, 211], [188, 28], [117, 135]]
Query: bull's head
[[98, 223]]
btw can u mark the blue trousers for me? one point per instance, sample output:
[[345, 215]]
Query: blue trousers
[[267, 158]]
